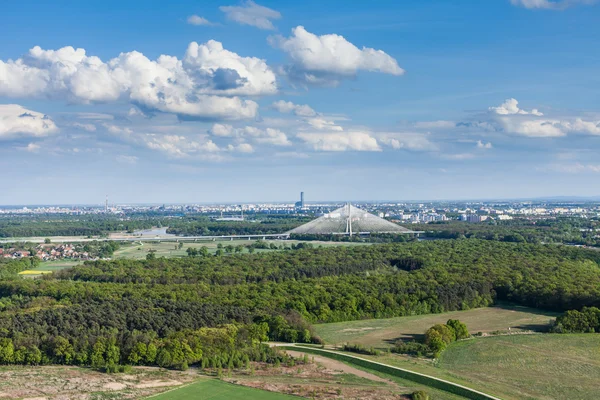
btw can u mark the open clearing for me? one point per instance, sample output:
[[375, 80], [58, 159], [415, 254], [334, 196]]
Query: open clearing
[[137, 250], [47, 267], [215, 389], [74, 383], [546, 366], [382, 333]]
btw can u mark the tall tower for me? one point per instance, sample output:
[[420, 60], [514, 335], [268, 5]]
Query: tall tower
[[302, 199], [106, 205]]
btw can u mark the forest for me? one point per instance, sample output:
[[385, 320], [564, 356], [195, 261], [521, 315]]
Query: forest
[[172, 303]]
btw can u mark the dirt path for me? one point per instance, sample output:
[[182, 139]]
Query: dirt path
[[340, 366]]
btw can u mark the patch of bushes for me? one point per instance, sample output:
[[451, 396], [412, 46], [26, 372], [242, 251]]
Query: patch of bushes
[[419, 395], [412, 348], [360, 349]]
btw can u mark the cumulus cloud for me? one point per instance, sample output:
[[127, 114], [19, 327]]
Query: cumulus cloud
[[222, 130], [287, 107], [581, 126], [273, 137], [177, 146], [270, 136], [204, 84], [250, 13], [509, 118], [511, 106], [349, 141], [326, 59], [322, 123], [539, 128], [198, 20], [413, 141], [481, 145], [32, 148], [549, 4], [17, 121], [241, 148]]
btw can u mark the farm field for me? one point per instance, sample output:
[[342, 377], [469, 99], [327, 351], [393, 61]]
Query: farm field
[[47, 267], [382, 333]]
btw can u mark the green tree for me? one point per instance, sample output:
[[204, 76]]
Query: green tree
[[460, 328]]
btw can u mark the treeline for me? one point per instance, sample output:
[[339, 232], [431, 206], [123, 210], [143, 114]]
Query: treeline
[[230, 346], [568, 230], [73, 225], [573, 321], [205, 226], [9, 268]]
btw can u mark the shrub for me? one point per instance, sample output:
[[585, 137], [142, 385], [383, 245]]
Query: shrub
[[419, 395]]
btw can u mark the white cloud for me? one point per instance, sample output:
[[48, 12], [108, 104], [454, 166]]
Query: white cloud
[[549, 4], [222, 130], [540, 128], [407, 140], [286, 107], [250, 13], [581, 126], [349, 141], [321, 123], [135, 112], [198, 20], [270, 136], [203, 85], [17, 121], [482, 145], [177, 146], [124, 159], [228, 73], [241, 148], [511, 106], [273, 137], [32, 148], [324, 60], [509, 118]]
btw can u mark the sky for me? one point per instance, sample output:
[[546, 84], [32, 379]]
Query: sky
[[227, 101]]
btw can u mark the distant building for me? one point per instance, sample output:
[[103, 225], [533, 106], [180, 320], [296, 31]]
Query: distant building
[[300, 204]]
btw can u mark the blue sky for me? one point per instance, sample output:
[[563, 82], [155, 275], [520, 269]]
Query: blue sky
[[241, 101]]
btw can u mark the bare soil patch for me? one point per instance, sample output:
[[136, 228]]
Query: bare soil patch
[[72, 383]]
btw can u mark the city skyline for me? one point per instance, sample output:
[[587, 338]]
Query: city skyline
[[230, 101]]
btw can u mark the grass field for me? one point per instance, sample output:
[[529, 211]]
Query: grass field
[[215, 389], [137, 250], [384, 332], [548, 366], [47, 267]]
